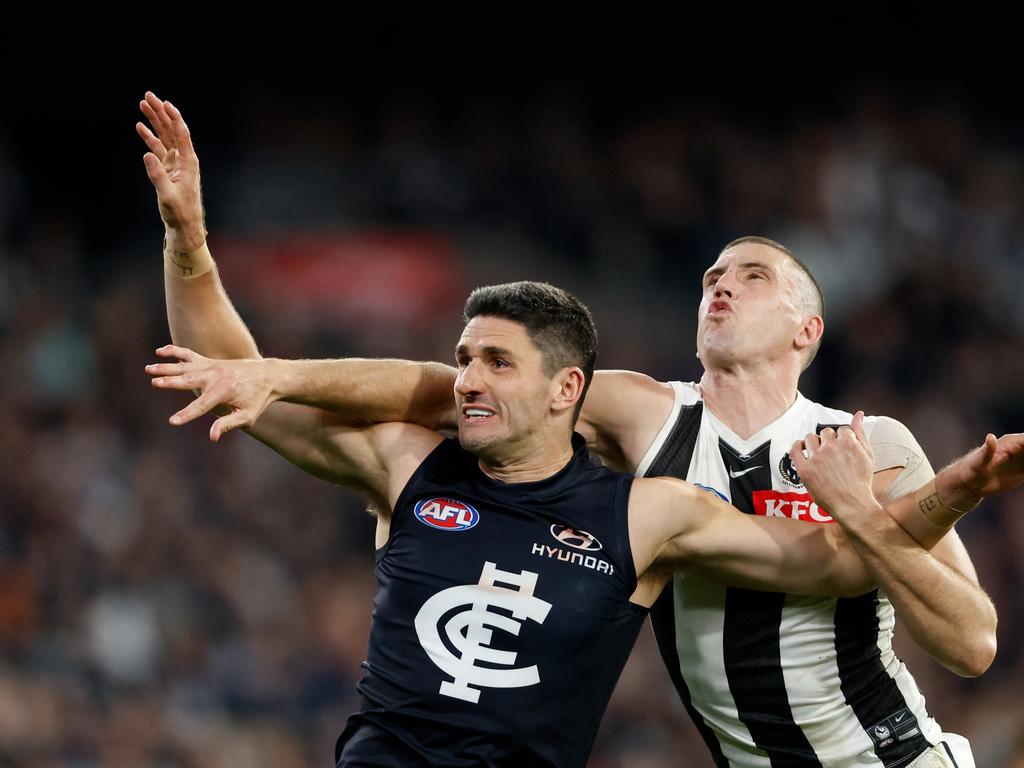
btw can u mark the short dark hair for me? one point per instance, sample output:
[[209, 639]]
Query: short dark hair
[[557, 322]]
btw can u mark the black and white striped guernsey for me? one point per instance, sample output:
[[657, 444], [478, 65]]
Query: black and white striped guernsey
[[772, 679]]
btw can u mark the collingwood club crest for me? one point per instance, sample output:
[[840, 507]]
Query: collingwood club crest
[[788, 472]]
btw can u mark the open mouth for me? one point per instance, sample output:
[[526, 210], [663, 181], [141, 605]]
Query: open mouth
[[718, 307], [474, 413]]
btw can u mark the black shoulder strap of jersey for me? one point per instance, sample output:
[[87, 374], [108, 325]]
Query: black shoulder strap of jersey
[[674, 457]]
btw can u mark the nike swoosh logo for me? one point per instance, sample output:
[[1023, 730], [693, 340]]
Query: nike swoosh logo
[[899, 716], [742, 472]]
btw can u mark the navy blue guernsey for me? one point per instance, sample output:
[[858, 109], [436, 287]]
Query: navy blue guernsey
[[502, 619]]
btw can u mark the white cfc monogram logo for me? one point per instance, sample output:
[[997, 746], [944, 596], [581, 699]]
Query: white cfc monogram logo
[[469, 631]]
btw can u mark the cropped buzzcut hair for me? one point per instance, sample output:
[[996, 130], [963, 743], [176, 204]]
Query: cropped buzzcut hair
[[811, 295], [814, 298]]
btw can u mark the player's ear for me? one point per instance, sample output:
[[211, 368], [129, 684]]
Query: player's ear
[[567, 388], [810, 332]]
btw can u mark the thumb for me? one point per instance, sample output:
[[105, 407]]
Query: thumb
[[985, 452], [857, 425], [225, 424], [989, 448], [796, 455]]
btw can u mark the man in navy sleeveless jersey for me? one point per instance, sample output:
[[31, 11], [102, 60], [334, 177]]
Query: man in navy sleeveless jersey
[[445, 687]]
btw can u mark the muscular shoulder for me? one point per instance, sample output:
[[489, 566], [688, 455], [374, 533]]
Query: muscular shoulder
[[622, 414], [661, 504], [892, 442], [661, 491], [399, 449], [665, 514], [399, 442], [900, 464], [662, 488]]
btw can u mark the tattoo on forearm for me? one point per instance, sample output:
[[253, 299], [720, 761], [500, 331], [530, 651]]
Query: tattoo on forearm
[[929, 503], [180, 259], [934, 505], [177, 259]]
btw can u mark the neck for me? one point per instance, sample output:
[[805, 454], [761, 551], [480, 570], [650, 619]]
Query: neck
[[538, 463], [747, 399]]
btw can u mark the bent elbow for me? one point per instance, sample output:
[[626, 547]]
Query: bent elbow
[[854, 582], [856, 588], [979, 658]]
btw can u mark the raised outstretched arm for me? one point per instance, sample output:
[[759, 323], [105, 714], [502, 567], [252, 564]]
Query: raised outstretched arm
[[202, 318]]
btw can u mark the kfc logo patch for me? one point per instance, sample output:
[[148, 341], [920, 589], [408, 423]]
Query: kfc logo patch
[[796, 506]]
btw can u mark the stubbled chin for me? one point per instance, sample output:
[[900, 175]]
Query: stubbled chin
[[474, 442], [481, 446]]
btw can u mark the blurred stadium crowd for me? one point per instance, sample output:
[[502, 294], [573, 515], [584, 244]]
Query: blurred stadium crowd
[[168, 602]]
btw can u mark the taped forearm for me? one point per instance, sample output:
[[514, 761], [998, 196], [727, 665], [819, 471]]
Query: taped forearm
[[187, 264], [912, 500], [925, 514], [199, 313]]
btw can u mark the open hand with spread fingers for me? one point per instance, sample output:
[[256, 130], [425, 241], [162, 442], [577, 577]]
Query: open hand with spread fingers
[[244, 387], [837, 467], [173, 168]]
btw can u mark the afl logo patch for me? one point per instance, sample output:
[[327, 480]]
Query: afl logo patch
[[446, 514], [788, 472], [575, 539]]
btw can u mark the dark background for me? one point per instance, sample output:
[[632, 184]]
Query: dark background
[[168, 602]]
